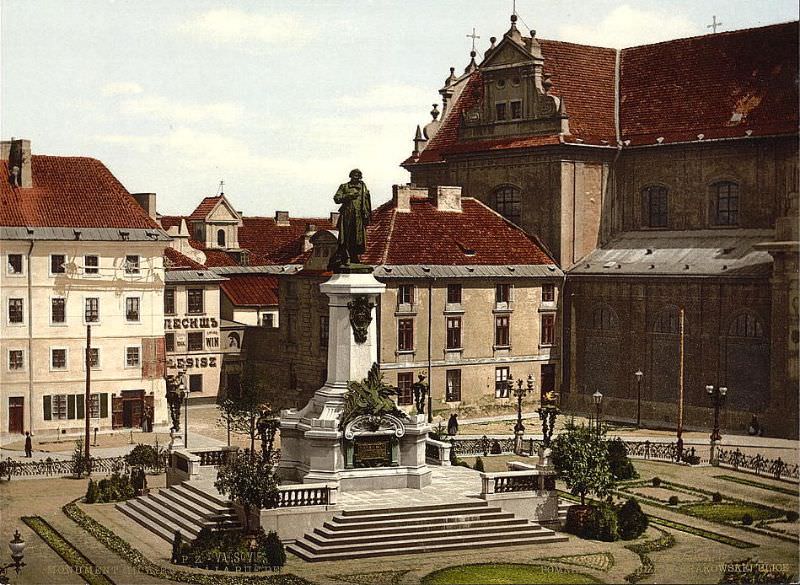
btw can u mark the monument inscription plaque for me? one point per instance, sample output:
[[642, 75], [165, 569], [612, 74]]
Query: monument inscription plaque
[[372, 452]]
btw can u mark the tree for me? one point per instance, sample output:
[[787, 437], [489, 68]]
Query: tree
[[580, 456], [621, 466], [243, 409], [79, 463], [249, 482]]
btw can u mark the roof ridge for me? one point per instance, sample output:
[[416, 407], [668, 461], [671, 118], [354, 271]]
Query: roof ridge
[[388, 243], [726, 33]]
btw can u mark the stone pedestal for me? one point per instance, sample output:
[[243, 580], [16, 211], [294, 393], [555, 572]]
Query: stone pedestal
[[314, 448]]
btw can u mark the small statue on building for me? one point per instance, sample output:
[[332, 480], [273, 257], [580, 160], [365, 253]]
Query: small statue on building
[[354, 215], [420, 389]]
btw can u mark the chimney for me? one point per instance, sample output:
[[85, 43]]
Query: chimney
[[146, 201], [403, 194], [311, 229], [282, 218], [18, 154], [334, 218], [446, 198]]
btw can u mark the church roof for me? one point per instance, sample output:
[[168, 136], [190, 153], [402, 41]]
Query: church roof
[[64, 189], [206, 205], [727, 85]]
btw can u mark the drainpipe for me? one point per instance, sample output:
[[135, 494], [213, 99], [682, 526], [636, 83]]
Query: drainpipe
[[30, 340]]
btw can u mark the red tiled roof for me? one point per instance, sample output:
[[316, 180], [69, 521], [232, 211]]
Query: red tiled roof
[[477, 235], [168, 221], [270, 243], [70, 191], [682, 88], [251, 290], [214, 257], [205, 207], [180, 261]]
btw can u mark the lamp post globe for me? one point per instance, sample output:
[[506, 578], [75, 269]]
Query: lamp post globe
[[639, 375], [598, 401]]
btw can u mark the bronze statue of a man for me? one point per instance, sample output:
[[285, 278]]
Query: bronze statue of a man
[[354, 215]]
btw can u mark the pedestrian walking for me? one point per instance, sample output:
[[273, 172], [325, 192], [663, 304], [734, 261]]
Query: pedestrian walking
[[452, 425], [28, 445]]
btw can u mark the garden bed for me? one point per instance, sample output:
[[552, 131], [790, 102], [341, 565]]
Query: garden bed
[[662, 494], [506, 573]]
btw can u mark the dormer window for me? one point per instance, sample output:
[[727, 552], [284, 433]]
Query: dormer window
[[500, 110], [516, 110], [221, 238]]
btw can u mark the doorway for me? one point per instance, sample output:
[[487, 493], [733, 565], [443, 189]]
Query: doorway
[[16, 414], [127, 409]]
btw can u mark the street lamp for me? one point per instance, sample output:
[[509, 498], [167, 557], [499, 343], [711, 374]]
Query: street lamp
[[17, 546], [638, 374], [598, 401], [519, 393], [717, 396]]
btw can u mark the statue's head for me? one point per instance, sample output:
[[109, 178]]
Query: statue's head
[[355, 175]]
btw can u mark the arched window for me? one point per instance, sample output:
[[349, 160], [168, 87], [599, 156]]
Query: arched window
[[507, 203], [656, 206], [221, 238], [604, 318], [725, 203], [746, 325], [667, 321]]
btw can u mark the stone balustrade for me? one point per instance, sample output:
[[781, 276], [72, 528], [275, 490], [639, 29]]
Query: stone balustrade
[[526, 491], [308, 494], [437, 452], [196, 464]]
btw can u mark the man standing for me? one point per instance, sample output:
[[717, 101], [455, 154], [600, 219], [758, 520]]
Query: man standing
[[28, 445], [354, 214]]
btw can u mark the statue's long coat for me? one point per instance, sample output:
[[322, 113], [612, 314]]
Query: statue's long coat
[[354, 213]]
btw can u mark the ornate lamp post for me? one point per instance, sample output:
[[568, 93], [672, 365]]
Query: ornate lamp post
[[598, 402], [717, 396], [17, 546], [519, 393], [638, 374], [548, 411], [176, 394]]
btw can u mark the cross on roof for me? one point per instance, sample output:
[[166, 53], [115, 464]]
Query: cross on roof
[[714, 24], [473, 36]]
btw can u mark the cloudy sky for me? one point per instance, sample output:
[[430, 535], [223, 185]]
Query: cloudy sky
[[278, 99]]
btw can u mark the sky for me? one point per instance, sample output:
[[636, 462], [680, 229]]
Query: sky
[[278, 99]]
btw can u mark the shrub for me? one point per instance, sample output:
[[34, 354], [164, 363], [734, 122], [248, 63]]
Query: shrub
[[479, 465], [673, 501], [147, 456], [79, 465], [91, 492], [596, 522], [792, 516], [621, 466], [656, 482], [716, 498], [691, 459], [115, 488], [271, 550], [462, 463], [632, 521], [747, 519]]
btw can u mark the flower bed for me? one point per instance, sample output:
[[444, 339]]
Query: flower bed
[[647, 567]]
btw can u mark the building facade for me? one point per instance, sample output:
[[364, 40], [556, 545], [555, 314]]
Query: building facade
[[65, 273]]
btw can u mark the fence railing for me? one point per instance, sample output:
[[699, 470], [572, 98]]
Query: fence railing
[[307, 494], [214, 456], [49, 467], [521, 480], [777, 468], [492, 446]]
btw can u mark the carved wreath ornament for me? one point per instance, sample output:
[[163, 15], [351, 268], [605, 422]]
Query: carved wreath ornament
[[360, 317]]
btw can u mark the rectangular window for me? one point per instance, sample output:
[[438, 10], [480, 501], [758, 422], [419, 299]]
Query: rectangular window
[[57, 262], [405, 395], [94, 406], [195, 382], [454, 333], [501, 382], [516, 110], [58, 310], [14, 264], [405, 294], [131, 264], [59, 407], [453, 388], [169, 341], [169, 301], [94, 357], [502, 293], [501, 337], [91, 265], [405, 335], [195, 341], [454, 294], [268, 320], [133, 358], [324, 329], [92, 310], [548, 293], [58, 359], [16, 359], [132, 309], [15, 311], [195, 300], [548, 378], [500, 110], [548, 328]]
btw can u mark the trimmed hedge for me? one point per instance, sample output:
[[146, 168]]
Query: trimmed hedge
[[632, 521]]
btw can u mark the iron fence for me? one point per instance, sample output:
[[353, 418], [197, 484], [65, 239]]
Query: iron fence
[[777, 468], [60, 467]]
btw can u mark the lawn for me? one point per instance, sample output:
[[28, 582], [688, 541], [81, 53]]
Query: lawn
[[730, 511], [505, 574]]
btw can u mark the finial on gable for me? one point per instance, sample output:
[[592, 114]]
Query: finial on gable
[[472, 64]]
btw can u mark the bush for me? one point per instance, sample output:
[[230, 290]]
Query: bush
[[479, 465], [673, 501], [270, 549], [656, 482], [79, 465], [147, 456], [747, 519], [716, 498], [632, 521], [621, 466], [115, 488], [595, 522], [91, 492], [792, 516]]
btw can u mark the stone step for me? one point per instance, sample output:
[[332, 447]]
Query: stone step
[[199, 500], [480, 504], [208, 492], [415, 513], [440, 534], [301, 548], [150, 518], [187, 509], [187, 524], [144, 521], [419, 527], [338, 523]]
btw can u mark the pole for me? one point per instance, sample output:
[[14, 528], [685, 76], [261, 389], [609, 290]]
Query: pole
[[186, 421], [638, 402], [87, 398], [680, 396], [430, 324]]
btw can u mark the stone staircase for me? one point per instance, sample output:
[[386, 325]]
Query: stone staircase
[[395, 531], [187, 507], [563, 506]]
